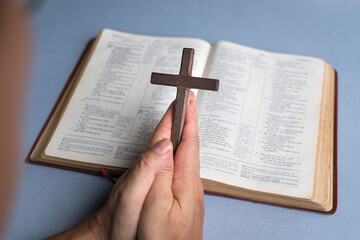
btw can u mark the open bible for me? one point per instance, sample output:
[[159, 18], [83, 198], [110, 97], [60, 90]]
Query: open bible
[[268, 135]]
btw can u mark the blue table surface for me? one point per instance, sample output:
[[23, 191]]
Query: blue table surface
[[50, 200]]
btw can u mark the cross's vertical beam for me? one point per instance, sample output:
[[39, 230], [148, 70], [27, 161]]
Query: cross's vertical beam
[[182, 98], [179, 115]]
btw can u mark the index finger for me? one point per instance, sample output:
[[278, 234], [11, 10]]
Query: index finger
[[163, 129], [187, 163]]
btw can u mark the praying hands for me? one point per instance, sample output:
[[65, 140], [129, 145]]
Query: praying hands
[[160, 197]]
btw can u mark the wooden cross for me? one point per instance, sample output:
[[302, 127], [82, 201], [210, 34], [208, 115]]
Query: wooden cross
[[184, 81]]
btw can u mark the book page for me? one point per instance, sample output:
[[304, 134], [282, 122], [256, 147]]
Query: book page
[[260, 130], [115, 109]]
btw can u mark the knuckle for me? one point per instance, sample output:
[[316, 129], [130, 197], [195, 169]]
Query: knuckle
[[165, 124], [144, 163], [194, 140]]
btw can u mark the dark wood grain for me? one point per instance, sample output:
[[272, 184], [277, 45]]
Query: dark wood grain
[[184, 81]]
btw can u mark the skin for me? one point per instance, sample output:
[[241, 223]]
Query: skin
[[174, 207], [14, 61], [161, 197]]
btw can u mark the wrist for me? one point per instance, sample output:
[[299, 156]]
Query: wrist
[[91, 228], [96, 227]]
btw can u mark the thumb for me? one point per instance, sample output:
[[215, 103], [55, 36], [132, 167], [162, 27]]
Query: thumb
[[148, 165], [131, 190]]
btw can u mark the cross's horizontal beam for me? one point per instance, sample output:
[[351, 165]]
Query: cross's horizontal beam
[[185, 81]]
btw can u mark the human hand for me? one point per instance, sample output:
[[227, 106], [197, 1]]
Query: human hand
[[174, 206], [158, 198]]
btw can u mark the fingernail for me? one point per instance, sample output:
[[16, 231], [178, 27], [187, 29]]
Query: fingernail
[[162, 146]]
